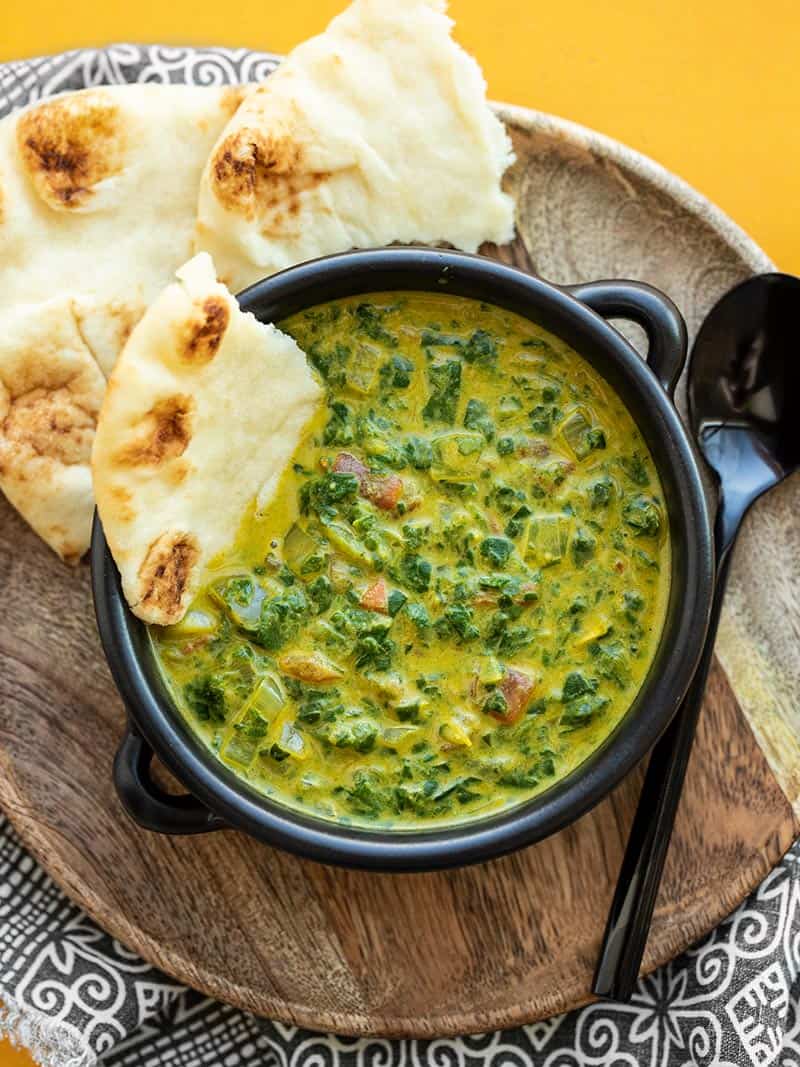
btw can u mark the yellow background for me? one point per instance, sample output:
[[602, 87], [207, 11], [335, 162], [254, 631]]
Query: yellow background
[[709, 88]]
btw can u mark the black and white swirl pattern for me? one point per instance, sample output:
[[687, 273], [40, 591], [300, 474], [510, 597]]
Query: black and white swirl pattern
[[27, 80], [730, 1002]]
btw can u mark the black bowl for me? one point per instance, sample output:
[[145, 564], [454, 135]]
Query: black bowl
[[217, 799]]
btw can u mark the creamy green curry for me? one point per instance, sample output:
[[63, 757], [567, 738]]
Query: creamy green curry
[[458, 587]]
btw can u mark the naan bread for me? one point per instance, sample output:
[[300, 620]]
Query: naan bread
[[375, 131], [204, 409], [50, 394], [98, 196]]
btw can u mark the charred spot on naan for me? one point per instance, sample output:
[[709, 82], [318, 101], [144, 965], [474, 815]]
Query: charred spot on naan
[[163, 433], [69, 145], [164, 575], [202, 335], [46, 424], [261, 173]]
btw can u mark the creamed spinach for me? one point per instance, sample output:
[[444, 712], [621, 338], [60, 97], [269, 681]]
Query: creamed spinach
[[459, 586]]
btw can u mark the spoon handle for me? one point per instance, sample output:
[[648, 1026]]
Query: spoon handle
[[631, 911]]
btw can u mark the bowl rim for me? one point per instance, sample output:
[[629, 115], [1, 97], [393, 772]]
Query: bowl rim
[[480, 838]]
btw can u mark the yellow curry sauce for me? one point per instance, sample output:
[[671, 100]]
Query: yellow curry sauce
[[459, 587]]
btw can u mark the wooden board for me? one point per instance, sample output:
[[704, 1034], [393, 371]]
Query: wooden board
[[417, 955]]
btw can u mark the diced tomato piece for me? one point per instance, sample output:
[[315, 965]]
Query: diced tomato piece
[[376, 597], [313, 667], [385, 492], [346, 463], [516, 687]]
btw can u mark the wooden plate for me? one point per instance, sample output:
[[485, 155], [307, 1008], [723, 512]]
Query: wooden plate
[[415, 955]]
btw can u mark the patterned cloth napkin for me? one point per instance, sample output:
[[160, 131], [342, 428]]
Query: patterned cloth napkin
[[76, 997]]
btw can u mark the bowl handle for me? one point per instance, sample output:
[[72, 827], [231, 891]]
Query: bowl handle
[[650, 309], [149, 805]]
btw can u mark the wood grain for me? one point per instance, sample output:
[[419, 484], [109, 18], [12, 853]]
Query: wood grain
[[413, 955]]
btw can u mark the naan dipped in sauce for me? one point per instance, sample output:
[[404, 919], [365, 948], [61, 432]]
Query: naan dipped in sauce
[[202, 413]]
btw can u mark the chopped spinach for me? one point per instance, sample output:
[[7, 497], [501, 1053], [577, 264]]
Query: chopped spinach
[[576, 684], [445, 389], [320, 593], [584, 545], [543, 418], [513, 640], [582, 710], [415, 572], [331, 363], [205, 696], [611, 661], [396, 374], [456, 620], [281, 618], [495, 704], [366, 795], [418, 452], [374, 648], [517, 523], [395, 601], [477, 417], [416, 535], [479, 347], [418, 614], [369, 319], [358, 733], [497, 550], [635, 469], [643, 515], [340, 429], [601, 492], [322, 493]]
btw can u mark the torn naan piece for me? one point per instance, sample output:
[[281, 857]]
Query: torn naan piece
[[376, 131], [204, 409], [50, 394], [98, 198]]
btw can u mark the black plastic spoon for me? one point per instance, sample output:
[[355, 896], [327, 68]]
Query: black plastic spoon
[[744, 375]]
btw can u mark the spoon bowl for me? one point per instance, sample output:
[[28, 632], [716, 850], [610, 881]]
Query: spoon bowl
[[744, 374]]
